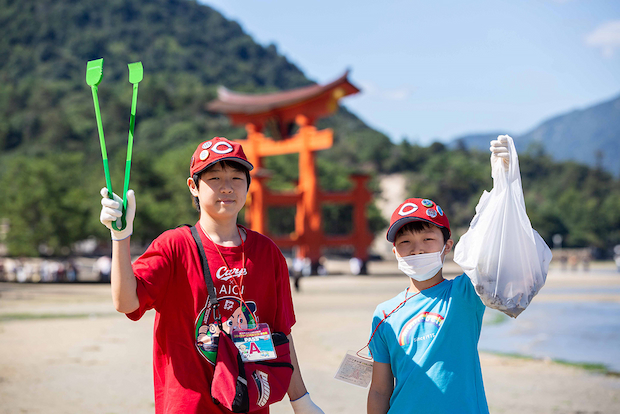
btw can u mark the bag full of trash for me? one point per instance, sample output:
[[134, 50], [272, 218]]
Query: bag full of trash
[[506, 260]]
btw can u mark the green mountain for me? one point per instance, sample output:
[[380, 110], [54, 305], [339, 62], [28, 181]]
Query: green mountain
[[589, 136], [187, 49], [478, 141], [48, 136]]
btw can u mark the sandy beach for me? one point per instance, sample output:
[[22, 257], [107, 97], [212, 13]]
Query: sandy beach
[[63, 349]]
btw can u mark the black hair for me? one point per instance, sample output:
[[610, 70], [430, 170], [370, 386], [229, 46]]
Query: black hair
[[225, 163], [420, 225]]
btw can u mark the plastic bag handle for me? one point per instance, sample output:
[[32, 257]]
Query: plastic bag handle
[[502, 178]]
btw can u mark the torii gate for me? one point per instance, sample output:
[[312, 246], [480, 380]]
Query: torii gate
[[279, 112]]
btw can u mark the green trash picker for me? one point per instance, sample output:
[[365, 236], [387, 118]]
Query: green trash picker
[[94, 74]]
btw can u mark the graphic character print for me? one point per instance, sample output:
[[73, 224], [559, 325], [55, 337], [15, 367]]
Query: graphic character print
[[234, 313]]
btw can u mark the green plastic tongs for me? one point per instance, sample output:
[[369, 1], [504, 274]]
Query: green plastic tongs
[[94, 74]]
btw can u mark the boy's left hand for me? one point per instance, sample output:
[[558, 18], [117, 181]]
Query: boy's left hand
[[305, 405], [499, 151]]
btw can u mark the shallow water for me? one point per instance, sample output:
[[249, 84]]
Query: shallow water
[[584, 332]]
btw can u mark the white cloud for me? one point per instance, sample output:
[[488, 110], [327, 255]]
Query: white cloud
[[370, 89], [606, 37]]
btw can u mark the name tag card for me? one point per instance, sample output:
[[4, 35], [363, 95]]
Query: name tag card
[[254, 344], [355, 370]]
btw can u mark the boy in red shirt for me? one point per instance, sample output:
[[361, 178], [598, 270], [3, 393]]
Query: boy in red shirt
[[246, 267]]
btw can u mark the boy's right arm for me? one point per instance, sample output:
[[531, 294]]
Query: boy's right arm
[[381, 388], [122, 278]]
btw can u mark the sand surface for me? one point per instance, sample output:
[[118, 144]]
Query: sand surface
[[63, 349]]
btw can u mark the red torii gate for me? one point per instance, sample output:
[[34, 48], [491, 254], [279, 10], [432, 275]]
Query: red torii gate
[[279, 113]]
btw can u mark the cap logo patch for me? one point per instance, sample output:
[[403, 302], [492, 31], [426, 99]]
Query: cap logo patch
[[207, 145], [431, 213], [407, 209], [427, 203], [204, 155], [440, 211], [218, 148]]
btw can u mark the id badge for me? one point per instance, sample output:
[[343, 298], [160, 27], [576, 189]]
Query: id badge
[[355, 370], [254, 344]]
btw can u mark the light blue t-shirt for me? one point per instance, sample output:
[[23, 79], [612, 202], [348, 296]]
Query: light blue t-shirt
[[431, 343]]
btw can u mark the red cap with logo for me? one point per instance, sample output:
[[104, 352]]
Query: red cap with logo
[[417, 209], [216, 150]]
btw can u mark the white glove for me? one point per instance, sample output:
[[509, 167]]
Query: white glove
[[304, 405], [499, 151], [111, 211]]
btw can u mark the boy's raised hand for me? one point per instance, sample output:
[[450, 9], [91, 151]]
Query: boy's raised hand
[[499, 151], [111, 211]]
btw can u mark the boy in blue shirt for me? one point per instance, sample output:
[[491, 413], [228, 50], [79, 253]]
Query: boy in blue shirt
[[424, 342]]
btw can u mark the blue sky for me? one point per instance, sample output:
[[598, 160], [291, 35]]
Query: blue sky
[[434, 70]]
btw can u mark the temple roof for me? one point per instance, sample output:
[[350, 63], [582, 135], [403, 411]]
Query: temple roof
[[315, 98]]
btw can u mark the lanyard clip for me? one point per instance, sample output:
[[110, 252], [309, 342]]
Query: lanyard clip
[[217, 315]]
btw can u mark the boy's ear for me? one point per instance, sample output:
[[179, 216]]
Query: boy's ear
[[192, 187], [449, 245]]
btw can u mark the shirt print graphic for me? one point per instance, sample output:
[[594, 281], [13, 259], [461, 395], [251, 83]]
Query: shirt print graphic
[[235, 314], [422, 327]]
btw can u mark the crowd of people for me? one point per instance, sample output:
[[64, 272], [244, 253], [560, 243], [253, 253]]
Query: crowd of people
[[38, 270]]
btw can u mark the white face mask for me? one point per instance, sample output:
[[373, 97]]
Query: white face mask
[[422, 266]]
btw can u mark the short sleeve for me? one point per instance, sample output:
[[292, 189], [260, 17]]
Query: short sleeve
[[377, 346], [466, 291], [285, 315], [153, 271]]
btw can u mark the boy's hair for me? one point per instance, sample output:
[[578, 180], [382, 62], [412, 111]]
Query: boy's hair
[[418, 226], [225, 164]]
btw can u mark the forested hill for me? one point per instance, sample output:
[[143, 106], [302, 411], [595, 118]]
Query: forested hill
[[50, 161], [47, 123], [187, 49], [590, 136]]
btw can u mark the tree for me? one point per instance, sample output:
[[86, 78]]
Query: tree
[[49, 202]]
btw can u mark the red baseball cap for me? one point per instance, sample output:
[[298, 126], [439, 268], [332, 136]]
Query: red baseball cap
[[417, 209], [216, 150]]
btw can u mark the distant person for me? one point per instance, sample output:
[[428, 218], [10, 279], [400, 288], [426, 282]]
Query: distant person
[[61, 275], [321, 269], [10, 268], [424, 341], [72, 271], [563, 261], [573, 261], [21, 271], [103, 268], [247, 268], [296, 272], [585, 261], [355, 265]]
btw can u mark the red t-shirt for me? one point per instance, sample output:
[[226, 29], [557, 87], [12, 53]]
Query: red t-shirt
[[170, 280]]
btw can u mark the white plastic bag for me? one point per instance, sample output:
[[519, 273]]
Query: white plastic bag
[[506, 260]]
